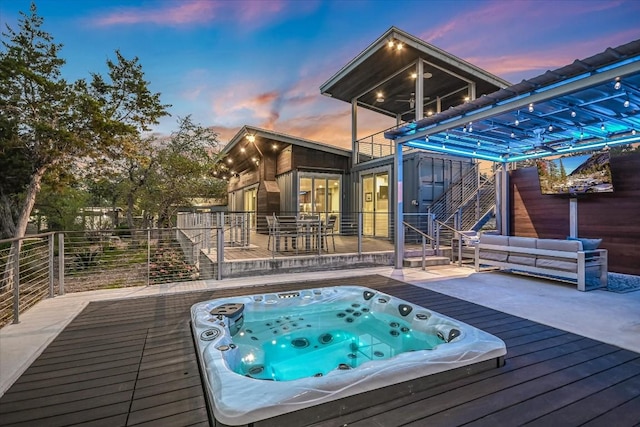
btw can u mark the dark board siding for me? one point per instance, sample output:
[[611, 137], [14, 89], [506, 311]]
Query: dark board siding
[[614, 217], [304, 157]]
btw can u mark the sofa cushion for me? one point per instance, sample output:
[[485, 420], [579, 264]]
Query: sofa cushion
[[587, 244], [522, 259], [559, 245], [493, 255], [557, 264], [522, 242], [494, 239]]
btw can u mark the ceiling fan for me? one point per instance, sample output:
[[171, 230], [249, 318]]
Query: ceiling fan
[[412, 100], [539, 142]]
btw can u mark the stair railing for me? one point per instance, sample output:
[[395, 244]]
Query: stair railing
[[457, 235], [424, 236]]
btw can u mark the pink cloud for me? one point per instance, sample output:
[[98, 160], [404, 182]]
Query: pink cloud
[[186, 12], [202, 11]]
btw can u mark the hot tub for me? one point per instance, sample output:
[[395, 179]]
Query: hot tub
[[266, 355]]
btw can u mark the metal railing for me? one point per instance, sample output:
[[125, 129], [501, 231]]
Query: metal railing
[[45, 265], [424, 238], [27, 274]]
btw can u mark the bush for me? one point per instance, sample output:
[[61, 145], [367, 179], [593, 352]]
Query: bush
[[168, 265]]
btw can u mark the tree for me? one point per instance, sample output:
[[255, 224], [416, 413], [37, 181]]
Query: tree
[[53, 123], [183, 170]]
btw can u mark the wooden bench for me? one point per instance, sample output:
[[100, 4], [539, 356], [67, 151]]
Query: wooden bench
[[552, 258]]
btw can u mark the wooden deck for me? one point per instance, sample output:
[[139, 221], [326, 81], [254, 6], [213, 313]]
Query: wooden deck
[[132, 362]]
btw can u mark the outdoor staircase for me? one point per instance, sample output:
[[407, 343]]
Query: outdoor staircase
[[413, 258], [468, 204]]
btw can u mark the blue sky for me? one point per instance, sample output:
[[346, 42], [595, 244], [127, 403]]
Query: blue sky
[[261, 63]]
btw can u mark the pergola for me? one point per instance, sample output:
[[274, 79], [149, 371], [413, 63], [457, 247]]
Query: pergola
[[587, 105]]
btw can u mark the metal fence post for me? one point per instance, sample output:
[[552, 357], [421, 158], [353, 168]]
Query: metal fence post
[[61, 263], [148, 255], [360, 233], [16, 283], [51, 260], [220, 250]]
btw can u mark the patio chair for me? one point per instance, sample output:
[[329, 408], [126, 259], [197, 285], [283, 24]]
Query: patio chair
[[287, 228], [271, 225], [328, 230]]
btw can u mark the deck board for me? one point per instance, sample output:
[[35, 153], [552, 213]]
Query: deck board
[[133, 362]]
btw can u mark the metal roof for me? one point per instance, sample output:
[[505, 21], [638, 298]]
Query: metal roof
[[243, 153], [585, 105], [385, 69]]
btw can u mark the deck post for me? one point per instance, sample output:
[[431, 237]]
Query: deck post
[[51, 260], [16, 283], [398, 208], [61, 263]]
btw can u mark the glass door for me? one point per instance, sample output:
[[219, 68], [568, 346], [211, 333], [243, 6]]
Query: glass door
[[375, 204], [250, 205], [319, 195]]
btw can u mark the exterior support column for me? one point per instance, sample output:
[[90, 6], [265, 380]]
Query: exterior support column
[[419, 100], [354, 132], [502, 200], [573, 217], [398, 208]]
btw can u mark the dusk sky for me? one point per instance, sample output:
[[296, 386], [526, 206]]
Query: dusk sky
[[261, 63]]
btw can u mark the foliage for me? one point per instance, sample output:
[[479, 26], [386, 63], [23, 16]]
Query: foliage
[[54, 124], [86, 258], [61, 206], [168, 265]]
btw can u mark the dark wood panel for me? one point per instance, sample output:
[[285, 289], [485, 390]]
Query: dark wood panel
[[614, 217], [308, 158], [550, 375]]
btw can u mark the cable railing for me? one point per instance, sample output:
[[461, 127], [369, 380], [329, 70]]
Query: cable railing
[[27, 265], [40, 266]]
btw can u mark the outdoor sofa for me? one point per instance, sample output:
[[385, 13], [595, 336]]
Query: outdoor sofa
[[552, 258]]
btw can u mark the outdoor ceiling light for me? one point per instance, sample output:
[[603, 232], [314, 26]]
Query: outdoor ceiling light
[[242, 149], [379, 97], [427, 75], [573, 113], [626, 102], [399, 46], [414, 75], [229, 160], [602, 128], [531, 108], [550, 128], [633, 131], [426, 138], [391, 43], [513, 134], [617, 85], [251, 138]]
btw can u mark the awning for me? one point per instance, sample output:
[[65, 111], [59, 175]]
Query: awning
[[586, 105]]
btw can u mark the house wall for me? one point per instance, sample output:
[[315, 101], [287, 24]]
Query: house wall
[[614, 217]]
